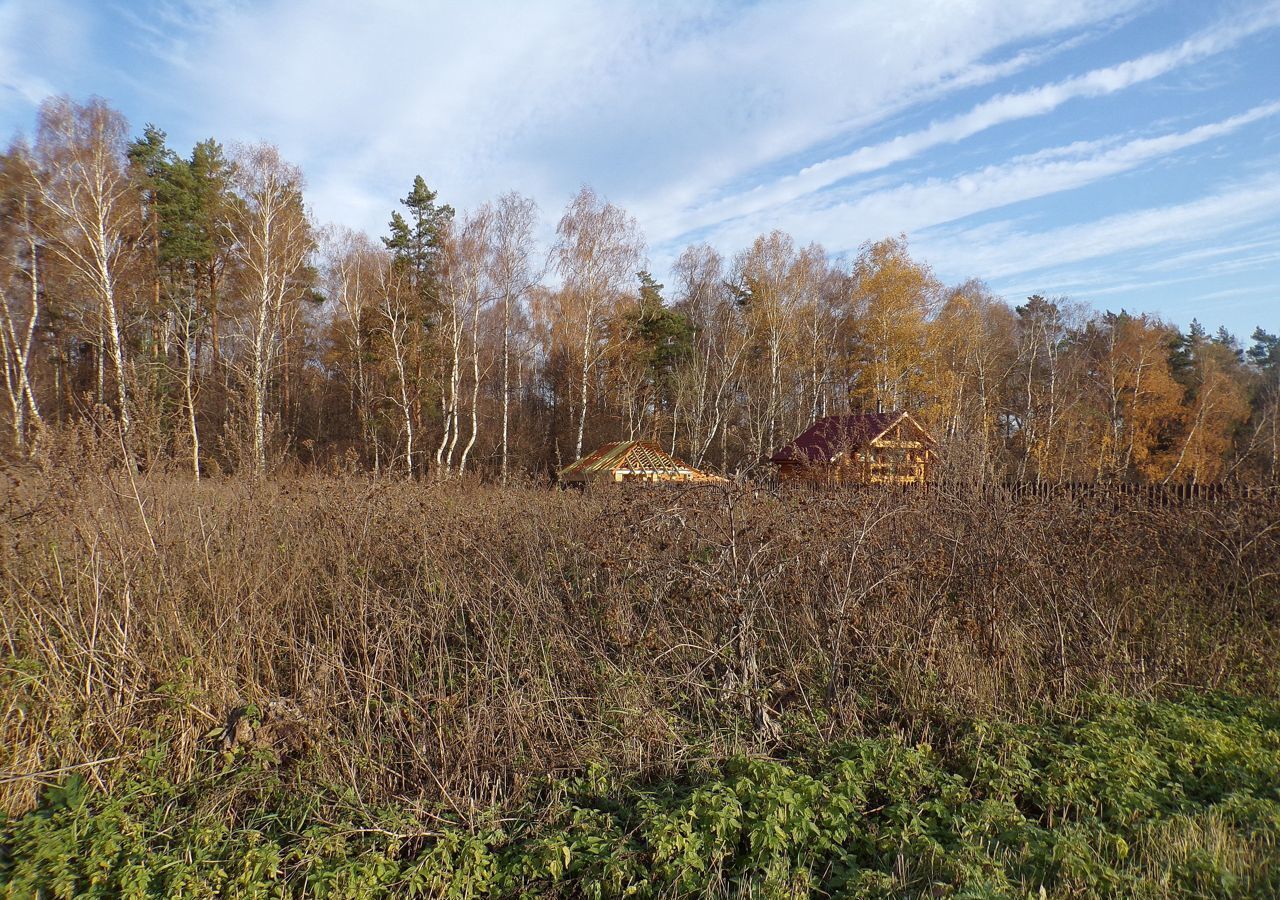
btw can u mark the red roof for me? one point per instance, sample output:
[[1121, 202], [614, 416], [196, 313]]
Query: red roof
[[832, 435]]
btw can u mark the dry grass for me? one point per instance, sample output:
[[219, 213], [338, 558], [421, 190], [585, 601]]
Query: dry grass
[[446, 643]]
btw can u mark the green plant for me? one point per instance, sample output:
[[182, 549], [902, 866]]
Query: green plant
[[1145, 799]]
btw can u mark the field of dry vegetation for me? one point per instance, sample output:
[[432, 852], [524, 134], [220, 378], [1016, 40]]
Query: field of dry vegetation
[[448, 645]]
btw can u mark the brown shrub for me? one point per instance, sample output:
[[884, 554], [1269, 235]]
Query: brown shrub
[[450, 642]]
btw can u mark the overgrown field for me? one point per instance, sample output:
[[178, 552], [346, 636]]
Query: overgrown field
[[500, 690]]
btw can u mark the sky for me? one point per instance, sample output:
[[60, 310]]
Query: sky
[[1125, 153]]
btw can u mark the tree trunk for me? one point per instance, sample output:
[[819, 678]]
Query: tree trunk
[[263, 337], [106, 286], [188, 383], [506, 378], [17, 357], [475, 386], [586, 368]]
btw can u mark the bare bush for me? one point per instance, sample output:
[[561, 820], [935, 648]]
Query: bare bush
[[449, 642]]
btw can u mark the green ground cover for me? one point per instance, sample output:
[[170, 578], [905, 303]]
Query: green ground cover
[[1170, 798]]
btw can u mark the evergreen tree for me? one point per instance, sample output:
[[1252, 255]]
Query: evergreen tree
[[666, 333], [1184, 350], [1227, 340], [399, 241], [661, 337], [418, 241], [158, 172], [1265, 353], [184, 198]]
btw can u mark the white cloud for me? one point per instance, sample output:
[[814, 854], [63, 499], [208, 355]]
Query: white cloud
[[32, 35], [1258, 239], [1215, 258], [1003, 251], [995, 111], [1102, 281], [658, 105], [830, 218]]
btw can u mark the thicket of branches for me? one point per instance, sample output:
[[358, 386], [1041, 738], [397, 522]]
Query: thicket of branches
[[188, 311], [448, 642]]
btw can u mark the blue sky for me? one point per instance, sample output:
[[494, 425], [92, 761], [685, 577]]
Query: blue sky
[[1123, 153]]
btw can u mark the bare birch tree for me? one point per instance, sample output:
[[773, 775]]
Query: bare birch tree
[[706, 389], [598, 251], [763, 278], [396, 305], [464, 294], [512, 274], [189, 321], [20, 289], [271, 242], [92, 214], [354, 278]]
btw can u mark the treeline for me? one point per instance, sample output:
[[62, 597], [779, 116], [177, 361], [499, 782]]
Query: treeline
[[187, 311]]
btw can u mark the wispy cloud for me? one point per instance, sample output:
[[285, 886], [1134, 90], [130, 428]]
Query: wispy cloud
[[998, 110], [832, 217], [32, 34], [1006, 251], [656, 105], [169, 29]]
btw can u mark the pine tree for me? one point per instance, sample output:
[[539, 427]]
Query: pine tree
[[1265, 352], [665, 335], [418, 241], [1184, 348]]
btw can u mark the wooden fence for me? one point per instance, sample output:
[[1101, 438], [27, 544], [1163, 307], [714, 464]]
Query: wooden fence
[[1154, 495]]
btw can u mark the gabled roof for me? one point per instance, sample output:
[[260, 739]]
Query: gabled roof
[[633, 456], [831, 436]]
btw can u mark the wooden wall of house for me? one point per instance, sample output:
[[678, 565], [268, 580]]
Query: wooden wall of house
[[863, 469]]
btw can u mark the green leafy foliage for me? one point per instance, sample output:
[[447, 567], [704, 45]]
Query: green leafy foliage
[[1132, 798]]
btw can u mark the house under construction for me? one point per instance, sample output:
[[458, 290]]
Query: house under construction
[[864, 448], [631, 461]]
